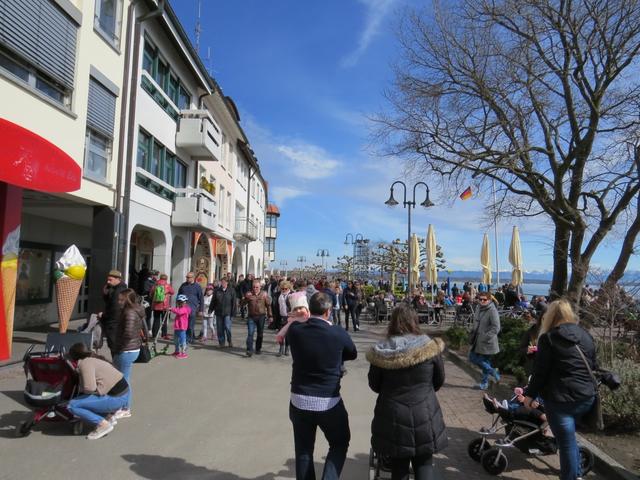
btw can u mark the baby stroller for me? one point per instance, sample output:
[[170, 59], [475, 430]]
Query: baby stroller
[[521, 431], [51, 382]]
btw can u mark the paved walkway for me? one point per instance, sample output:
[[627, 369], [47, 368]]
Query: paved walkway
[[221, 416]]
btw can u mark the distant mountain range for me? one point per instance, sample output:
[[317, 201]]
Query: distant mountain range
[[529, 277]]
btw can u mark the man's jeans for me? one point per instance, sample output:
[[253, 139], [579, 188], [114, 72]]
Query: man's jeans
[[334, 424], [123, 361], [223, 325], [562, 420], [87, 407], [484, 362], [254, 323], [191, 330], [336, 317]]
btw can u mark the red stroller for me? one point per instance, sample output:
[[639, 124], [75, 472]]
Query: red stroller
[[51, 382]]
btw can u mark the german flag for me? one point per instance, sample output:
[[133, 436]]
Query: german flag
[[466, 195]]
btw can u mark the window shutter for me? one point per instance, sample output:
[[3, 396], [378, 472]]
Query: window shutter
[[101, 110], [42, 34]]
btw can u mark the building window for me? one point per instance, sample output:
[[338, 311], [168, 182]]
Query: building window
[[184, 99], [43, 58], [144, 148], [181, 175], [223, 212], [97, 156], [165, 78], [101, 107], [270, 245], [272, 221], [34, 78], [155, 158], [107, 20]]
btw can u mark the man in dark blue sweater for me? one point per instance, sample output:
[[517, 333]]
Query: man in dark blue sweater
[[318, 349], [195, 300]]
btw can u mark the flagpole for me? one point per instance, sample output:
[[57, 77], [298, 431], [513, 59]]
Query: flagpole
[[495, 229]]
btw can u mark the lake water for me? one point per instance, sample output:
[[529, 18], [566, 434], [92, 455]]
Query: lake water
[[530, 289]]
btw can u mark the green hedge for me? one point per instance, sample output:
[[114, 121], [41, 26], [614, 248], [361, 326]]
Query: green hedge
[[621, 408], [509, 359]]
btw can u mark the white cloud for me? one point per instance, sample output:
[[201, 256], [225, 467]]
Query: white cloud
[[280, 195], [309, 161], [376, 11]]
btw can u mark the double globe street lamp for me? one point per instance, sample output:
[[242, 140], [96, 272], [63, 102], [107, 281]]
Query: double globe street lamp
[[409, 204], [323, 253]]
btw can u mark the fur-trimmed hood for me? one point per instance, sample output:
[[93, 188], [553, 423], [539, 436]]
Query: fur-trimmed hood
[[404, 351]]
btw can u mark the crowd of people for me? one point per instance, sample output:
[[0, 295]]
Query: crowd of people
[[406, 367]]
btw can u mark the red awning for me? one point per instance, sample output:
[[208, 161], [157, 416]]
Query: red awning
[[27, 160]]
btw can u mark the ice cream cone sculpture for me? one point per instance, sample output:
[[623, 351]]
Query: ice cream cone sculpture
[[9, 267], [69, 276]]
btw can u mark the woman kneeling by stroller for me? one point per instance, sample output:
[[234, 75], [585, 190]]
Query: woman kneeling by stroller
[[103, 390], [406, 371]]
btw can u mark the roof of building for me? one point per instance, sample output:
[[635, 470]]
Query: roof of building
[[273, 210]]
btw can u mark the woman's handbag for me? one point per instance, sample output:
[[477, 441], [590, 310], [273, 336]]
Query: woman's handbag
[[145, 354], [592, 420]]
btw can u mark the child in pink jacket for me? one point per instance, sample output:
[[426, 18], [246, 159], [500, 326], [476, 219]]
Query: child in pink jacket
[[180, 325]]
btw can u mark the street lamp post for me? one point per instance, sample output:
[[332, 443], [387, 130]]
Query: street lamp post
[[358, 241], [409, 204], [322, 253], [301, 260], [283, 266]]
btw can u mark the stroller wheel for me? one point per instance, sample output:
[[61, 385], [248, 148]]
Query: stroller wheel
[[477, 447], [494, 461], [24, 428], [78, 427], [586, 460]]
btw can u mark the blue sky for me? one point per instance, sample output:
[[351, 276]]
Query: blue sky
[[306, 76]]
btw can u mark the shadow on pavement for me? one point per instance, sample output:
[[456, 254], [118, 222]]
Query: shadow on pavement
[[172, 468], [8, 422]]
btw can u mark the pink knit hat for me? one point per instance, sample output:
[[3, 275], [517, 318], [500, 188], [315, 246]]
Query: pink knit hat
[[298, 299]]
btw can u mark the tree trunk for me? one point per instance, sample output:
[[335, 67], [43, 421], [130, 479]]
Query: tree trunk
[[626, 251], [579, 271], [560, 262]]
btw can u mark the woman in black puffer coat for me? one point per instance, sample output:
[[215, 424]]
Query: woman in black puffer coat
[[406, 371]]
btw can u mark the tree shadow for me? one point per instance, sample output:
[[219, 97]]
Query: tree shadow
[[173, 468]]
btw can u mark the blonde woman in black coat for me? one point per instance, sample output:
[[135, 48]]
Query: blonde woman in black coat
[[406, 370]]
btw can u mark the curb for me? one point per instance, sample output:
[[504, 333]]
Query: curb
[[604, 464]]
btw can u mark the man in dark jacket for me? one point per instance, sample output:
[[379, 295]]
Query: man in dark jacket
[[319, 349], [110, 316], [195, 300], [245, 287], [224, 305]]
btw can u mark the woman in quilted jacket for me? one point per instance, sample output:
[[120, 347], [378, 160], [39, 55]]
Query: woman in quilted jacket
[[406, 370], [132, 330]]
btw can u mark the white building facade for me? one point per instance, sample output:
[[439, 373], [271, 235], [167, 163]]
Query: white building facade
[[61, 73]]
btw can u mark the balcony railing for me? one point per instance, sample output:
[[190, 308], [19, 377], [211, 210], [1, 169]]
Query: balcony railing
[[194, 208], [246, 229], [199, 135]]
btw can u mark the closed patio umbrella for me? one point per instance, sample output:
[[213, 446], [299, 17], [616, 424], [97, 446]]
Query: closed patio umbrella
[[515, 258], [415, 261], [432, 271], [485, 260]]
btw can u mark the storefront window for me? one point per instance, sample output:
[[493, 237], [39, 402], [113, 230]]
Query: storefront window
[[34, 275]]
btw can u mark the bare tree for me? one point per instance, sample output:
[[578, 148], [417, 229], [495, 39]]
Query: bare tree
[[344, 266], [540, 96]]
